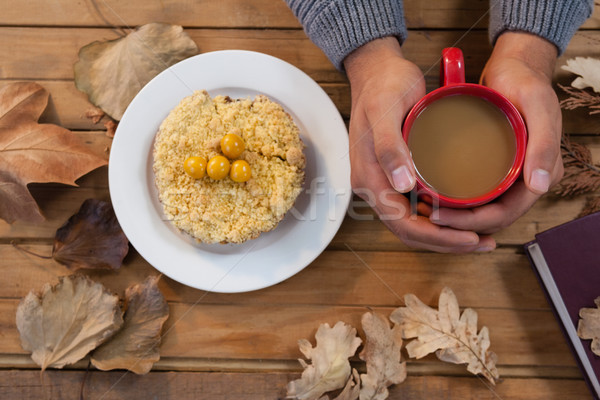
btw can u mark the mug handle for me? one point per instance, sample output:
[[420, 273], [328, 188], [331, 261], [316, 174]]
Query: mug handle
[[452, 66]]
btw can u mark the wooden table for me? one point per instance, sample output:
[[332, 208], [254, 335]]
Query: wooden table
[[244, 346]]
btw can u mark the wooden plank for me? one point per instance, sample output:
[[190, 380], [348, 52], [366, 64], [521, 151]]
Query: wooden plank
[[27, 385], [414, 367], [229, 13], [25, 49], [241, 331], [349, 277], [20, 47], [360, 229], [107, 13], [68, 105]]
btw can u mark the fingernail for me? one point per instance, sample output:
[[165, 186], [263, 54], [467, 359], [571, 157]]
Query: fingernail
[[540, 181], [438, 221], [402, 179], [485, 249]]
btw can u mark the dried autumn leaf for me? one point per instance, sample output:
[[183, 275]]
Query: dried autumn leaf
[[135, 346], [352, 389], [452, 336], [589, 326], [382, 355], [95, 114], [32, 152], [588, 69], [92, 238], [111, 73], [330, 367], [66, 321]]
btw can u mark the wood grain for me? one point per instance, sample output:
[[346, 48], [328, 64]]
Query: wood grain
[[236, 331], [228, 13], [244, 346], [24, 49], [67, 106], [118, 385], [350, 278]]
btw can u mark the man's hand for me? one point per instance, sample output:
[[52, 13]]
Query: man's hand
[[520, 68], [384, 88]]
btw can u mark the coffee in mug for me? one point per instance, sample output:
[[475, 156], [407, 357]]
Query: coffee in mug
[[467, 141], [462, 146]]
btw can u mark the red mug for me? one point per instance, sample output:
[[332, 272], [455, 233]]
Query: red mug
[[452, 82]]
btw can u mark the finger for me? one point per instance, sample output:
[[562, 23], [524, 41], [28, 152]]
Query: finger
[[544, 125], [390, 148], [418, 231], [489, 218], [422, 232]]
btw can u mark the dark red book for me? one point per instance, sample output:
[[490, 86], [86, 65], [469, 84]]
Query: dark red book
[[566, 260]]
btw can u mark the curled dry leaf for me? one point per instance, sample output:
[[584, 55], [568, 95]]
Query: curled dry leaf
[[95, 114], [382, 355], [330, 367], [135, 346], [92, 238], [352, 389], [589, 326], [452, 336], [111, 73], [33, 152], [66, 321], [588, 69], [111, 128]]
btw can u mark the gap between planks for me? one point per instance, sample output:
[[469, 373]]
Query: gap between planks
[[415, 368]]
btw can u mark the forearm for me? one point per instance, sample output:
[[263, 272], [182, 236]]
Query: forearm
[[340, 27], [554, 20]]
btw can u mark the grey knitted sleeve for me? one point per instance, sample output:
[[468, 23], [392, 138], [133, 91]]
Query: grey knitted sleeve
[[554, 20], [340, 26]]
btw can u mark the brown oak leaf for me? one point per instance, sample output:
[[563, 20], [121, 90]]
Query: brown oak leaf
[[65, 322], [92, 238], [589, 326], [111, 73], [382, 355], [135, 346], [452, 336], [33, 152], [330, 368]]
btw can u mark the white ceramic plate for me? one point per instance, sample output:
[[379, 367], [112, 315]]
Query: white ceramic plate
[[306, 229]]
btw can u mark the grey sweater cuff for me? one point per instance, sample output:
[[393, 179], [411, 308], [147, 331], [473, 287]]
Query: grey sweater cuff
[[554, 20], [340, 26]]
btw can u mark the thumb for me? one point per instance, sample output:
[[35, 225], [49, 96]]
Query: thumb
[[391, 149], [542, 159]]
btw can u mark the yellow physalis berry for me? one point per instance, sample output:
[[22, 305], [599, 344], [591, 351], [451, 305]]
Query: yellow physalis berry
[[195, 166], [240, 171], [218, 167], [232, 145]]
